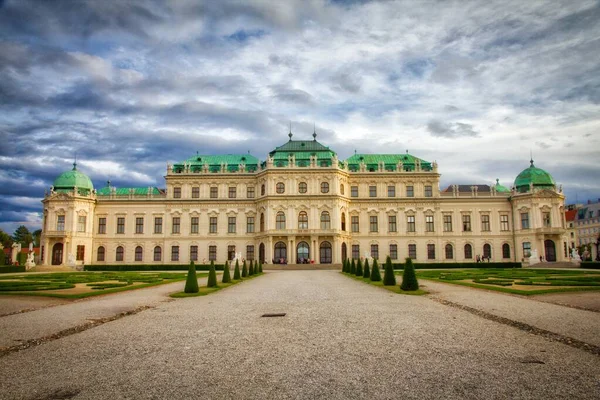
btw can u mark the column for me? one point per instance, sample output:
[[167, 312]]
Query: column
[[314, 248], [291, 252]]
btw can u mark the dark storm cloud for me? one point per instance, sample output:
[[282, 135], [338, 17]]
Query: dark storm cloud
[[451, 130], [288, 94]]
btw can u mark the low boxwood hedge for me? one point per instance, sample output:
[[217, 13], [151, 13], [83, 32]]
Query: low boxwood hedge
[[461, 265], [149, 267], [5, 269], [590, 264]]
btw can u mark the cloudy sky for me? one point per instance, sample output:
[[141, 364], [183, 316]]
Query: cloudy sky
[[131, 85]]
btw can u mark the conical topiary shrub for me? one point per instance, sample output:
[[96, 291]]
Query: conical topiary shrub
[[244, 270], [251, 268], [212, 276], [236, 272], [344, 266], [226, 274], [389, 279], [260, 267], [409, 277], [359, 268], [366, 270], [353, 267], [375, 274], [191, 283]]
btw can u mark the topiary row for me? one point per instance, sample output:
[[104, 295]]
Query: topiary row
[[191, 284], [409, 278]]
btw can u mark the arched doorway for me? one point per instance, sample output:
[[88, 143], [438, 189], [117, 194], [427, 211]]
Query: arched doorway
[[325, 253], [280, 253], [261, 253], [57, 254], [302, 253], [550, 248], [344, 251]]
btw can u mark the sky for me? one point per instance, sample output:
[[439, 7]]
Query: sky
[[128, 86]]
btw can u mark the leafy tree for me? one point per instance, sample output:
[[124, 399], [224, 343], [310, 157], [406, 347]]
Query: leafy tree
[[5, 239], [191, 283], [37, 234], [226, 274], [212, 276], [353, 267], [236, 272], [389, 279], [23, 236], [244, 270], [375, 274], [367, 271], [359, 268], [409, 277]]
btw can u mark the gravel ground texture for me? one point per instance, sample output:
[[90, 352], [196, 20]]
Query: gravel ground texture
[[16, 304], [340, 339], [583, 300]]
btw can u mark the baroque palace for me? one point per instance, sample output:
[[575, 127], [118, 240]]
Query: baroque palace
[[302, 204]]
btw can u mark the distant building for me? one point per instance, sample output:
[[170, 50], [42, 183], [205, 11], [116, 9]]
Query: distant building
[[302, 204], [570, 219], [588, 226]]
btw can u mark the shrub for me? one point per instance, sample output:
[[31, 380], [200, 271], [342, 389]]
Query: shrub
[[2, 258], [389, 279], [375, 273], [191, 283], [22, 259], [353, 267], [226, 274], [148, 267], [244, 270], [590, 264], [212, 276], [409, 278], [367, 271], [344, 266], [440, 265], [251, 268], [236, 272], [5, 269], [260, 267], [359, 268]]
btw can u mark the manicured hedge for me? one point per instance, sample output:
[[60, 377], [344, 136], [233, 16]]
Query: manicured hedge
[[590, 264], [149, 267], [5, 269], [461, 265]]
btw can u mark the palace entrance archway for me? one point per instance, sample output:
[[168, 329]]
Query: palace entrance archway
[[550, 252], [325, 253], [302, 253], [57, 254], [280, 254]]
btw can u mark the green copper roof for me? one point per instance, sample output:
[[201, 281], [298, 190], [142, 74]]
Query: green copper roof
[[537, 176], [138, 191], [214, 162], [390, 160], [500, 188], [302, 150], [70, 179]]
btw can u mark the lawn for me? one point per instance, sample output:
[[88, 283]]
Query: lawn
[[76, 285], [517, 280]]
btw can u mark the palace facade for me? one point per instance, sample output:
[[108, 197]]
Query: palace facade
[[302, 204]]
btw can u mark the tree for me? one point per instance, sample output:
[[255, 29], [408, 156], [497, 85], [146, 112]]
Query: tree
[[212, 276], [260, 267], [244, 270], [352, 267], [367, 271], [236, 272], [251, 268], [409, 277], [375, 274], [359, 268], [191, 283], [226, 274], [344, 266], [37, 234], [23, 236], [5, 239], [389, 279]]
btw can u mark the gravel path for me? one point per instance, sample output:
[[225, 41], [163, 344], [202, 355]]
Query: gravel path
[[583, 300], [15, 304], [341, 339]]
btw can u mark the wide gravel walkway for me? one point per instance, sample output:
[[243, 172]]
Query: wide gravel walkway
[[340, 339]]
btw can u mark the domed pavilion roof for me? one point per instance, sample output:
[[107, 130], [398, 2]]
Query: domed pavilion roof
[[500, 188], [536, 176], [71, 179]]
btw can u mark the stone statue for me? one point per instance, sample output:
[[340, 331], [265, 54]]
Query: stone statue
[[16, 249], [71, 260], [30, 263], [534, 258], [575, 258]]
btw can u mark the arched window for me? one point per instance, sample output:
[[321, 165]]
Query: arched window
[[487, 251], [325, 220], [101, 253], [139, 253], [505, 250], [324, 187], [449, 252], [302, 220], [325, 253], [342, 189], [343, 221], [262, 189], [157, 253], [280, 187], [468, 251], [262, 222], [280, 220], [119, 253], [302, 187]]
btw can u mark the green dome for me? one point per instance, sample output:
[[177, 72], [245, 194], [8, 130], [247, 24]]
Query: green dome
[[540, 179], [500, 188], [70, 179]]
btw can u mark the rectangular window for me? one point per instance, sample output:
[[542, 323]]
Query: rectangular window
[[447, 223], [176, 224], [158, 225], [194, 224], [372, 191], [213, 225], [102, 225], [504, 222], [230, 252], [410, 191], [212, 253], [526, 249], [410, 223], [232, 192], [428, 191], [524, 220], [231, 225], [176, 192], [354, 223], [375, 251], [60, 223], [545, 219], [466, 220], [429, 223], [392, 223], [195, 192], [139, 225], [485, 223], [355, 251], [391, 191], [250, 252], [121, 225], [394, 251], [412, 251], [193, 253], [249, 224], [373, 223], [81, 221], [431, 251], [214, 192], [174, 253], [250, 192], [353, 191], [80, 252]]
